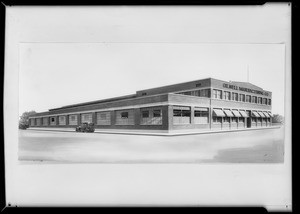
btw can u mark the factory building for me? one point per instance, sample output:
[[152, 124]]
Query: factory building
[[207, 104]]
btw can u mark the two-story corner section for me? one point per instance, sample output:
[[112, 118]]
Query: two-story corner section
[[199, 105]]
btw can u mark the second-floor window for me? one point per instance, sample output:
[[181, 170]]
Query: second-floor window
[[248, 99], [227, 95], [217, 94]]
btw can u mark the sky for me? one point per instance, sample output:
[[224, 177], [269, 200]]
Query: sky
[[52, 75]]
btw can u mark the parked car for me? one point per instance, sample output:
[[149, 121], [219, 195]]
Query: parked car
[[85, 127]]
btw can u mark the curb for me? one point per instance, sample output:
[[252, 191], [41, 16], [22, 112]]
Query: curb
[[161, 134]]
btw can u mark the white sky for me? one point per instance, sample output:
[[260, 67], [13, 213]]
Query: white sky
[[57, 74]]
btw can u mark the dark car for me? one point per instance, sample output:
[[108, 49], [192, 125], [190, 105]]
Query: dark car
[[85, 127]]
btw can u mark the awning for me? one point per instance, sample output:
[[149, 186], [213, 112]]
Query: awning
[[218, 113], [236, 113], [255, 114], [243, 113], [228, 113], [271, 115], [266, 114], [261, 114]]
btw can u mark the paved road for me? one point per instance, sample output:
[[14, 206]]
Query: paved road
[[255, 146]]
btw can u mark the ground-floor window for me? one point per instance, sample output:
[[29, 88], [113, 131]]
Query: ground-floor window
[[45, 121], [125, 117], [259, 119], [62, 120], [217, 119], [269, 120], [38, 121], [201, 115], [264, 120], [32, 121], [253, 119], [226, 119], [86, 118], [73, 119], [52, 121], [181, 115], [241, 119], [234, 119], [103, 118], [151, 116]]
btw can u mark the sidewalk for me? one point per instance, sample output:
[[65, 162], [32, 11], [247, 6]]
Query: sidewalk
[[154, 132]]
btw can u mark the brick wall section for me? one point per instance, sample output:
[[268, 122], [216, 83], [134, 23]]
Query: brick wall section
[[176, 87]]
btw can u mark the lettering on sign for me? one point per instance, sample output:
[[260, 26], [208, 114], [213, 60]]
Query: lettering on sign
[[238, 88]]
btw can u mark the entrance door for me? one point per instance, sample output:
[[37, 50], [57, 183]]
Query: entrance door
[[248, 119], [248, 122]]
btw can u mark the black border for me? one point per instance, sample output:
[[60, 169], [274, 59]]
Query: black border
[[295, 37]]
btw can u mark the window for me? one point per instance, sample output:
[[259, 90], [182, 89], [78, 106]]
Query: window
[[205, 93], [198, 84], [45, 121], [226, 119], [269, 120], [254, 99], [217, 119], [241, 120], [217, 94], [264, 120], [264, 101], [124, 115], [144, 94], [157, 113], [235, 96], [248, 98], [269, 102], [52, 121], [242, 97], [62, 120], [181, 115], [259, 119], [86, 118], [32, 121], [73, 120], [227, 95], [187, 93], [201, 116], [234, 119], [145, 114], [103, 118], [253, 119], [259, 100], [151, 116], [38, 121]]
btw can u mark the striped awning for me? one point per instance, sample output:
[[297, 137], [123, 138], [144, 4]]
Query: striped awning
[[218, 113], [266, 114], [243, 113], [228, 113], [255, 114], [271, 115], [261, 114], [236, 113]]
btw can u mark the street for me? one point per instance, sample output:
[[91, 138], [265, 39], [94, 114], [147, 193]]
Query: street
[[253, 146]]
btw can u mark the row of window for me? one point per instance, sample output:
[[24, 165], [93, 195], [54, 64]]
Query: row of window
[[182, 115], [149, 116], [227, 95]]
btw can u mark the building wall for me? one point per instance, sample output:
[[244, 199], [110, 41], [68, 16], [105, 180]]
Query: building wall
[[154, 100]]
